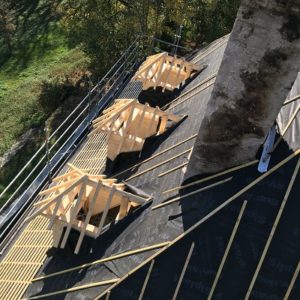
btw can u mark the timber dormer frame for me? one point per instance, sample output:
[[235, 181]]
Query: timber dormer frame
[[79, 196], [165, 71], [128, 123]]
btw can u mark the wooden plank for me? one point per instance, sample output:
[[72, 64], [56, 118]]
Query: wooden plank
[[132, 197], [173, 169], [186, 263], [73, 289], [74, 211], [228, 247], [211, 177], [204, 219], [80, 171], [142, 117], [39, 211], [123, 108], [192, 89], [58, 202], [57, 187], [146, 280], [292, 118], [191, 193], [158, 165], [191, 95], [291, 100], [88, 217], [292, 283], [102, 260], [273, 230], [156, 155], [66, 175]]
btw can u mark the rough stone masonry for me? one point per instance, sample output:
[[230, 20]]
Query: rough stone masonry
[[259, 66]]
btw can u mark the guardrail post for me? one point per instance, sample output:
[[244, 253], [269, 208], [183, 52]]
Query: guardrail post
[[48, 153]]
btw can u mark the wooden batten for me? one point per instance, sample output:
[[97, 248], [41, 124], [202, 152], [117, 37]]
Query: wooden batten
[[73, 202], [128, 123], [165, 71]]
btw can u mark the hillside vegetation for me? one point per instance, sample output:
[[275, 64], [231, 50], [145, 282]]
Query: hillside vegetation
[[49, 50]]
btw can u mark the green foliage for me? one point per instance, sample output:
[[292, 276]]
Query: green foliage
[[105, 28]]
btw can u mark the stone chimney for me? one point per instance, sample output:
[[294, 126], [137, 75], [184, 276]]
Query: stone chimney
[[260, 64]]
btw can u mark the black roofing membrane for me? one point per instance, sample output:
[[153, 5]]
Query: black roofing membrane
[[145, 227]]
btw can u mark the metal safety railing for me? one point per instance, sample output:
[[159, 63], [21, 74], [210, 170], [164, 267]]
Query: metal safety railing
[[47, 157]]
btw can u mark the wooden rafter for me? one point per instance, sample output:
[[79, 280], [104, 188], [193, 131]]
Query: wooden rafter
[[165, 71], [73, 202], [128, 123]]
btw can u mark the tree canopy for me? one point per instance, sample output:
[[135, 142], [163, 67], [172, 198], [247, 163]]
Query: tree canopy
[[103, 28]]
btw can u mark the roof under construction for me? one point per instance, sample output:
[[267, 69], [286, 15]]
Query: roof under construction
[[233, 234]]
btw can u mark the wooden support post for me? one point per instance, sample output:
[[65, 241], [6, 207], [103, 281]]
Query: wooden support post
[[107, 295], [139, 125], [163, 124], [159, 74], [191, 193], [235, 228], [106, 209], [88, 217], [273, 230], [74, 211], [146, 280], [179, 71], [186, 263], [123, 209], [126, 128], [102, 260], [168, 74], [291, 285], [54, 213]]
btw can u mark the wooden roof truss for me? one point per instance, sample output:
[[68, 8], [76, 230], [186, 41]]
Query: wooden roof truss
[[128, 123], [165, 71], [78, 197]]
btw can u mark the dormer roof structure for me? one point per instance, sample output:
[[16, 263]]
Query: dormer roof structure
[[76, 197], [165, 71], [128, 123]]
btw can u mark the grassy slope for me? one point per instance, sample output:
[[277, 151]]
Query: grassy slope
[[29, 94], [37, 84]]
